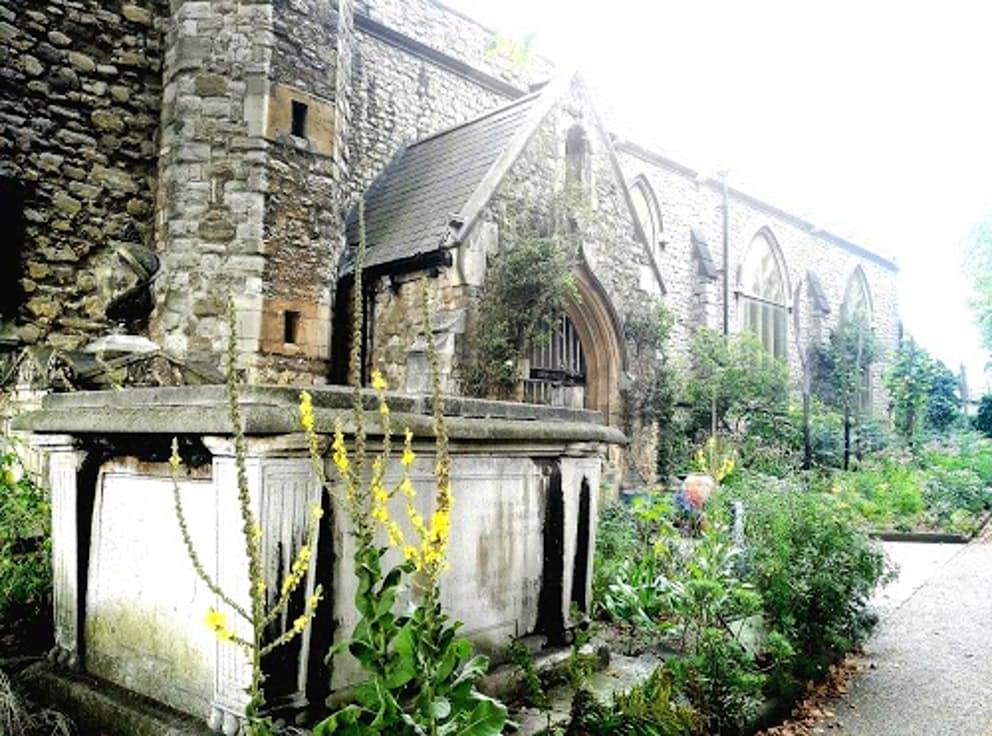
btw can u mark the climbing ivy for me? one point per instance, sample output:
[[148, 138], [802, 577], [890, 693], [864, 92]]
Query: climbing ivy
[[652, 398], [527, 287]]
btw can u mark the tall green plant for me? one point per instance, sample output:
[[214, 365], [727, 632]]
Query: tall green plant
[[527, 287], [419, 675], [735, 384], [909, 381], [943, 404], [841, 370], [25, 538], [653, 397], [261, 612]]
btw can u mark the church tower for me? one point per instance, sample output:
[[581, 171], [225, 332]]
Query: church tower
[[251, 178]]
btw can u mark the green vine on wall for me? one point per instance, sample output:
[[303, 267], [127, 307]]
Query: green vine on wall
[[525, 293], [652, 398]]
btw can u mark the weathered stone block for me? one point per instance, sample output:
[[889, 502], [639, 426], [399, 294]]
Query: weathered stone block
[[81, 61]]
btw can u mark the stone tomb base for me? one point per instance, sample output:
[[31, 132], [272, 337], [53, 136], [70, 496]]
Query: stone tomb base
[[130, 609]]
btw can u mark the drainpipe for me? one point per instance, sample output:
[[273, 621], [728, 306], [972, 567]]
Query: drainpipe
[[726, 254]]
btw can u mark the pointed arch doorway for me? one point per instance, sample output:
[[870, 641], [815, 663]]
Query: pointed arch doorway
[[579, 362]]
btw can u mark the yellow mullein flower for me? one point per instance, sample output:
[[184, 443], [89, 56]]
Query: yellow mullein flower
[[256, 532], [378, 382], [395, 533], [306, 411], [217, 623], [301, 623], [316, 512], [340, 453], [410, 553]]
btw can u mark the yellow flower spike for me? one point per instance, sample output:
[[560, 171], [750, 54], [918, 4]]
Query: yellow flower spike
[[378, 382], [306, 411], [406, 487], [300, 623], [316, 512], [410, 552], [217, 623], [174, 457], [256, 532]]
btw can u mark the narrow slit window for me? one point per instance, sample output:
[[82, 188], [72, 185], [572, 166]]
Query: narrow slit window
[[291, 327], [299, 122]]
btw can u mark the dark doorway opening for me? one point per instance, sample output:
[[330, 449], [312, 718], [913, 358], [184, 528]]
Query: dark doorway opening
[[550, 617], [580, 569]]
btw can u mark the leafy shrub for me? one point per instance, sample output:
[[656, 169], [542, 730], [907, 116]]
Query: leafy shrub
[[25, 543], [960, 490], [887, 492], [526, 290], [983, 419], [812, 565], [965, 451], [736, 382], [717, 673], [617, 539]]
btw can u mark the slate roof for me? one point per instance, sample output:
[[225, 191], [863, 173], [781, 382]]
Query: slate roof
[[419, 199]]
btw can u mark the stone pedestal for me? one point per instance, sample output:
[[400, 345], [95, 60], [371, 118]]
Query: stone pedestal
[[64, 460], [130, 608]]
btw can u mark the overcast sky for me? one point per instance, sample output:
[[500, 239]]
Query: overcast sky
[[871, 118]]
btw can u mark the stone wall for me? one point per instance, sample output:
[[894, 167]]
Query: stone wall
[[213, 176], [303, 226], [687, 203], [80, 98], [399, 95], [254, 127]]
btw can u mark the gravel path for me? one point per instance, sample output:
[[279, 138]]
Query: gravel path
[[929, 670]]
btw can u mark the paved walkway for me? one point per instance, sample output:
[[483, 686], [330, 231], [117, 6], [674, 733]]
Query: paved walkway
[[929, 667]]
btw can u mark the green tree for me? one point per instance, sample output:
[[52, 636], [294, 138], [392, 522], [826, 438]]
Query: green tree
[[652, 397], [943, 402], [983, 419], [840, 374], [979, 267], [908, 382], [734, 384]]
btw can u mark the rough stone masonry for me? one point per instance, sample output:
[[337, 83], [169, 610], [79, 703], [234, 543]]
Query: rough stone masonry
[[232, 139]]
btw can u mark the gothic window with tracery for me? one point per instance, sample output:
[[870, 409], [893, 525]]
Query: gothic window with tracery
[[856, 310], [762, 292], [648, 215]]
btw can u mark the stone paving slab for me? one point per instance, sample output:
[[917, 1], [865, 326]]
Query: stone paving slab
[[930, 661]]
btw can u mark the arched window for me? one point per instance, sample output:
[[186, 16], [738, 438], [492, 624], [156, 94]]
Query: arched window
[[557, 368], [856, 310], [856, 307], [577, 160], [648, 214], [763, 295]]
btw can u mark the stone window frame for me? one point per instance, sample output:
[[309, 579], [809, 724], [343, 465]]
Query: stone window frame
[[771, 309], [654, 229], [578, 134], [857, 285]]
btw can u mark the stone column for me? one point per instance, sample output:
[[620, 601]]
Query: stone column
[[64, 460], [282, 487]]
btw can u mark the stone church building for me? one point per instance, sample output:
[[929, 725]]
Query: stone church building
[[157, 156], [230, 140]]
